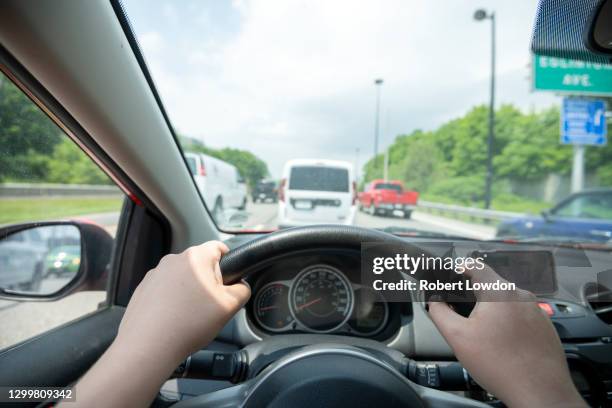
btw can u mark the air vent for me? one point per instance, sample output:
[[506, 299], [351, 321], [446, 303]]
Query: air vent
[[599, 298]]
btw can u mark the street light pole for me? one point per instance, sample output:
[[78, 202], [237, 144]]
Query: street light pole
[[378, 82], [480, 15]]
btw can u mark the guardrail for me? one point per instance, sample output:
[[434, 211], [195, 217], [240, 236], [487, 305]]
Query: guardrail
[[22, 190], [469, 212]]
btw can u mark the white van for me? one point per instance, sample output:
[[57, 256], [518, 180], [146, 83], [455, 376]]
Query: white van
[[219, 182], [314, 191]]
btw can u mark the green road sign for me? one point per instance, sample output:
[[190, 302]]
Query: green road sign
[[571, 76]]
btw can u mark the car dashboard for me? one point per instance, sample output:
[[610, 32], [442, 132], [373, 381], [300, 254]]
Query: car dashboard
[[321, 293]]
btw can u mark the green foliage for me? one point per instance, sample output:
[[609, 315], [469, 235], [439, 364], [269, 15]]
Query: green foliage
[[26, 135], [34, 149], [68, 164], [449, 163], [462, 189]]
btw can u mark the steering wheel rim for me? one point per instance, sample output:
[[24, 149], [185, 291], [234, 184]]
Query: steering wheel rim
[[240, 262]]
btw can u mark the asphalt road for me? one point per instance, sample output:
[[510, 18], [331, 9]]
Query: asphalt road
[[22, 320], [262, 217]]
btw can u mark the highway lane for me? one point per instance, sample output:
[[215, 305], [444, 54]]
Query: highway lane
[[262, 217]]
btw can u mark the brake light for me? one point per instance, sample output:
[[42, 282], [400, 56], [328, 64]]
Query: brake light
[[201, 170], [281, 190], [354, 193], [547, 308]]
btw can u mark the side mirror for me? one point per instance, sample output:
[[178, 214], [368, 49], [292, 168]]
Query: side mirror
[[49, 260]]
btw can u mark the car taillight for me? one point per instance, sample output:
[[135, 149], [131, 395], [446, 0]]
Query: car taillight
[[281, 190], [201, 170], [354, 193]]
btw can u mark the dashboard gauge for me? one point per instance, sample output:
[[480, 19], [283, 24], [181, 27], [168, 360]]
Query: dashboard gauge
[[321, 298], [272, 307], [370, 313]]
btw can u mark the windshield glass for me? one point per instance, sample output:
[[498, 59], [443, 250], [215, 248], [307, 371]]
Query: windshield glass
[[380, 89], [318, 179], [593, 206], [388, 186]]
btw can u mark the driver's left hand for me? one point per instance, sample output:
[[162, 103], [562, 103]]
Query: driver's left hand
[[183, 303]]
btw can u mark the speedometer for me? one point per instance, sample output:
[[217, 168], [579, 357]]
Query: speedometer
[[321, 298]]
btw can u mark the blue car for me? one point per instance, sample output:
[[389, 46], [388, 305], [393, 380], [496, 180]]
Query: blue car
[[581, 216]]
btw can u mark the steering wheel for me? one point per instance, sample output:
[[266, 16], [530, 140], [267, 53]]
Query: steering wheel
[[306, 370]]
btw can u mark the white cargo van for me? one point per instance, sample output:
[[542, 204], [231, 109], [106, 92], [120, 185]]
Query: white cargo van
[[219, 182], [314, 191]]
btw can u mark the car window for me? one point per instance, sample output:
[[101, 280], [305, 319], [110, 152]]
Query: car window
[[593, 206], [319, 179], [191, 162], [45, 176], [388, 186]]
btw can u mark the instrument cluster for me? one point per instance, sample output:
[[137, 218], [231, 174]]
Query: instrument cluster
[[319, 298]]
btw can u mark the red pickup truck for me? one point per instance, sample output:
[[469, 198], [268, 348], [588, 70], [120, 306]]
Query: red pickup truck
[[385, 197]]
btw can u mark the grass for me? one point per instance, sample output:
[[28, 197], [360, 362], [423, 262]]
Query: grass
[[14, 210]]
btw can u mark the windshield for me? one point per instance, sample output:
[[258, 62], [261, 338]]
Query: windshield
[[389, 92], [388, 186], [596, 206]]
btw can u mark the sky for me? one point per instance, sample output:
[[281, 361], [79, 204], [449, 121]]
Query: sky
[[295, 78]]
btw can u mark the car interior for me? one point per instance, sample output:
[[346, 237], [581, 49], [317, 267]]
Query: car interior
[[80, 63]]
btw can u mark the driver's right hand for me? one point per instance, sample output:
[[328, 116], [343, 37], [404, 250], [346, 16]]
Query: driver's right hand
[[510, 347]]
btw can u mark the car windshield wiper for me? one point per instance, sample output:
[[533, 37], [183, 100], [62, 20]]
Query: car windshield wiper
[[414, 232]]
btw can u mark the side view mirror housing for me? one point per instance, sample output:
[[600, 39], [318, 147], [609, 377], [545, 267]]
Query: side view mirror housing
[[49, 260]]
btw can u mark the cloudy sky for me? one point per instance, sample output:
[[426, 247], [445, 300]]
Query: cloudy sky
[[287, 79]]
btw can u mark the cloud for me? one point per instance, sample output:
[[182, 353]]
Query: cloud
[[295, 78]]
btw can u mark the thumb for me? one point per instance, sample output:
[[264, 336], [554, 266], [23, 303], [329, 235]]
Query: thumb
[[448, 322], [240, 292]]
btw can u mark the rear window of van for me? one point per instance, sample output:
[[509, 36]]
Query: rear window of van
[[317, 178]]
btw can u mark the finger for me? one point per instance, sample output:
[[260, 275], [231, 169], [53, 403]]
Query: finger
[[212, 251], [448, 322], [218, 275], [241, 292]]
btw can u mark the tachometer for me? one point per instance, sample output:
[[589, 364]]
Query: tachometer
[[321, 298], [272, 307]]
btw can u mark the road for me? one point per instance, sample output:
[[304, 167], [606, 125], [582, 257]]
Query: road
[[22, 320], [262, 217]]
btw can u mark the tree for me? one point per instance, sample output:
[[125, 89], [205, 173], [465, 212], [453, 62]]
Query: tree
[[68, 164], [26, 134]]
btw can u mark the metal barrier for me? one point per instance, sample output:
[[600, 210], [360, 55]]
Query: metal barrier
[[22, 190], [469, 212]]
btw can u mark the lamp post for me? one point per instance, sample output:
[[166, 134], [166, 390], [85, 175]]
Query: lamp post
[[480, 15], [378, 82]]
